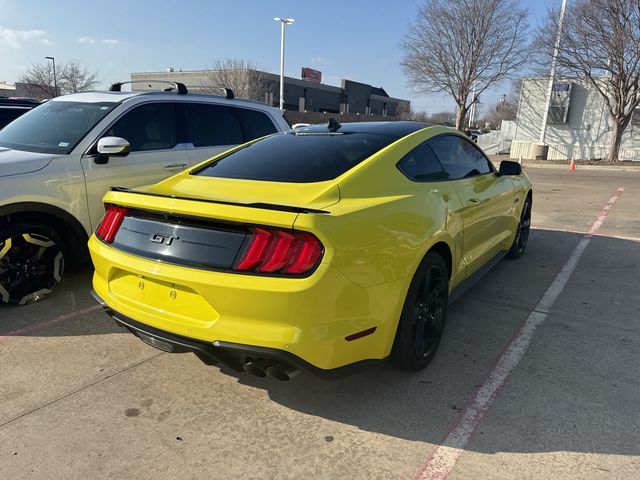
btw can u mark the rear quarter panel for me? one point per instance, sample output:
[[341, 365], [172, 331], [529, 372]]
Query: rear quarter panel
[[384, 223]]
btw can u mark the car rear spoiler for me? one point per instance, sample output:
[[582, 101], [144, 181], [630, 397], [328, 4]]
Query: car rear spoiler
[[264, 206]]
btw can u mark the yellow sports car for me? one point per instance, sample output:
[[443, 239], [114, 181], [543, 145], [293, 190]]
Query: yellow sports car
[[320, 250]]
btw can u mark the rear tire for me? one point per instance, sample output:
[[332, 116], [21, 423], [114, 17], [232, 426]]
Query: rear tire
[[31, 262], [522, 234], [423, 315]]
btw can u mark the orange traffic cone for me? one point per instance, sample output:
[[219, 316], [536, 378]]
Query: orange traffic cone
[[572, 166]]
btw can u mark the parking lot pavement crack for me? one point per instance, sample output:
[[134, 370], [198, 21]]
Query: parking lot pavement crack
[[79, 390]]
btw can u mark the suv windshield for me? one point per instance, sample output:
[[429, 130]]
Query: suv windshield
[[298, 158], [54, 127]]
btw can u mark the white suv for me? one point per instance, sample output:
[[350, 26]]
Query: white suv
[[58, 160]]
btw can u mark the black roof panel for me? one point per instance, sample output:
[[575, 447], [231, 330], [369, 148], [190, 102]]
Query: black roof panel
[[397, 129]]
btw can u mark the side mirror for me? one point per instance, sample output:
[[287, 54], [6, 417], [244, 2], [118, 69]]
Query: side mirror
[[113, 147], [508, 167]]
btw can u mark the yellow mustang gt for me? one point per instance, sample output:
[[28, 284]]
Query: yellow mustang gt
[[318, 250]]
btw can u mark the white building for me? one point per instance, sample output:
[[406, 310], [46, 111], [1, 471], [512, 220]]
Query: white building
[[578, 126]]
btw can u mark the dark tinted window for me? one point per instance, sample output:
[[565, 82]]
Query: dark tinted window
[[255, 124], [459, 157], [147, 127], [8, 115], [212, 125], [288, 157], [421, 165], [53, 127]]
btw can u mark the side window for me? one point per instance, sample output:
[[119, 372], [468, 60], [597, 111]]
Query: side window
[[148, 127], [421, 165], [459, 157], [255, 124], [212, 125]]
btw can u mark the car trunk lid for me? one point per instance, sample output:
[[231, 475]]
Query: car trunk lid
[[183, 226]]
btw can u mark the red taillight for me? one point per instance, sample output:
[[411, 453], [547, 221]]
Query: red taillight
[[254, 255], [110, 224], [306, 254], [280, 251]]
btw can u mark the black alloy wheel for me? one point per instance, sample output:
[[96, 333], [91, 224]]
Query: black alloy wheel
[[522, 233], [424, 315], [31, 263]]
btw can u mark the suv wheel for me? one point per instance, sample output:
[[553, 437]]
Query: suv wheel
[[31, 263]]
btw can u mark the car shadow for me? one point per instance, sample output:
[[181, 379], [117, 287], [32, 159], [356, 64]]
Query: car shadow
[[70, 310]]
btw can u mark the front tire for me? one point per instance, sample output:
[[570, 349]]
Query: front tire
[[423, 315], [31, 263]]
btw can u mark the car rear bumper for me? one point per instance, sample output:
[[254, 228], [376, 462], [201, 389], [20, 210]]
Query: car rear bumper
[[305, 322], [232, 355]]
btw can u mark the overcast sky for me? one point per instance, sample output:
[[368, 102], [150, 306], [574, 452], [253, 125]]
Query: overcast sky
[[354, 39]]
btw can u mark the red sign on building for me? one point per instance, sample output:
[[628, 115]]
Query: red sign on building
[[311, 75]]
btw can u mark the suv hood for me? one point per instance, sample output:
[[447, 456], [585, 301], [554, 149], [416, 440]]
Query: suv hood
[[15, 162]]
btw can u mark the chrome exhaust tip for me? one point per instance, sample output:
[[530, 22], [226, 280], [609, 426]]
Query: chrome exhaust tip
[[258, 367], [282, 371]]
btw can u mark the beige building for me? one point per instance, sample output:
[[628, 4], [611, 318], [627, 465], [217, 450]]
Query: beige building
[[578, 126]]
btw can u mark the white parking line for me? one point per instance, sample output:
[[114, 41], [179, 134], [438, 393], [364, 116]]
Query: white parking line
[[443, 459]]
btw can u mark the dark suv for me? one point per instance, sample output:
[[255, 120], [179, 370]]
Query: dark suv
[[12, 108]]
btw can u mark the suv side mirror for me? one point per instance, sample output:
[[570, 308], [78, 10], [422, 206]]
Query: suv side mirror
[[112, 147], [508, 167]]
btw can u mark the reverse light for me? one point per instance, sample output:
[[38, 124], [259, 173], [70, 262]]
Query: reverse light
[[111, 223], [280, 252]]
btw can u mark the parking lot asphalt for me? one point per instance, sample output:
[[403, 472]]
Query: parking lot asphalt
[[81, 398]]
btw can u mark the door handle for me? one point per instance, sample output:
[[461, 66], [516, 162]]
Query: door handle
[[474, 200], [175, 166]]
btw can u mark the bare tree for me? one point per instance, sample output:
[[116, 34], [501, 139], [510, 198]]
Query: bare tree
[[442, 117], [76, 78], [599, 41], [39, 81], [71, 77], [455, 44], [506, 108], [243, 77]]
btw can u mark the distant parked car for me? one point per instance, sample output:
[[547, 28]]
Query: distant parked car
[[58, 160], [473, 134], [12, 108]]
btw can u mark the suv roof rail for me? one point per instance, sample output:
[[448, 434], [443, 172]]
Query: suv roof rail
[[228, 93], [182, 89]]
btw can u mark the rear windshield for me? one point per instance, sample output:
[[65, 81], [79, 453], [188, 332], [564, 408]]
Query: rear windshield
[[53, 127], [298, 158]]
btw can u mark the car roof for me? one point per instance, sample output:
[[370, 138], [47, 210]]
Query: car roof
[[18, 102], [118, 97], [394, 128]]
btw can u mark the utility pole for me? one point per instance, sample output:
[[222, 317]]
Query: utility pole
[[472, 113], [552, 75]]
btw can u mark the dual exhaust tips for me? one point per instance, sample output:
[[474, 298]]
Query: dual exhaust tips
[[262, 367]]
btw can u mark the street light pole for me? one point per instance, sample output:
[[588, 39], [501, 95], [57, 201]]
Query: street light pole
[[283, 22], [552, 75], [472, 113], [55, 79]]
